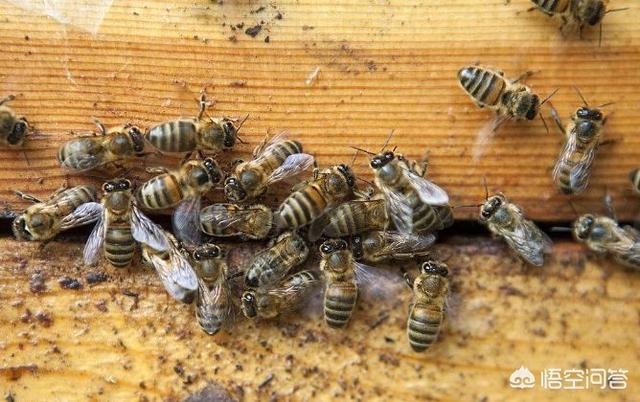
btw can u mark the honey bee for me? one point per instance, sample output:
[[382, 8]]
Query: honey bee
[[174, 269], [273, 161], [351, 218], [634, 176], [288, 295], [414, 204], [191, 134], [184, 188], [506, 220], [272, 264], [225, 220], [120, 225], [110, 146], [573, 168], [214, 306], [602, 234], [427, 309], [575, 14], [341, 292], [377, 246], [13, 128], [63, 210], [311, 199]]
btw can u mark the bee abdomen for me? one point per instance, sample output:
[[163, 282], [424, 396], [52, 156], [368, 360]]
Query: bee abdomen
[[423, 326], [485, 86], [81, 154], [301, 207], [119, 246], [339, 303], [160, 192], [552, 6], [174, 136]]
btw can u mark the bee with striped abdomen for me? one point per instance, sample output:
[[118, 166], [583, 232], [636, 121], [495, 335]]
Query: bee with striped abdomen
[[273, 161], [414, 204], [174, 269], [427, 310], [272, 264], [111, 146], [184, 188], [582, 137], [214, 305], [351, 218], [341, 292], [13, 128], [377, 246], [63, 210], [506, 220], [311, 199], [286, 296], [603, 235], [191, 134], [120, 226], [226, 220]]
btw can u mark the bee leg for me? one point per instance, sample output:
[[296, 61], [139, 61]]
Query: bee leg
[[523, 76], [101, 128], [6, 99], [608, 203], [27, 197], [556, 119], [203, 104], [236, 162], [157, 170], [407, 278]]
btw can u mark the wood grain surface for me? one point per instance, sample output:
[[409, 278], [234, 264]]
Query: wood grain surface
[[382, 65], [101, 343]]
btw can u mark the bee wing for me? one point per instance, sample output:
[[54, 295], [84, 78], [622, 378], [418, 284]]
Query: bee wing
[[213, 307], [177, 275], [429, 192], [85, 213], [484, 137], [377, 283], [528, 241], [280, 137], [579, 175], [93, 247], [220, 216], [81, 163], [400, 212], [147, 232], [185, 221], [407, 243], [292, 166]]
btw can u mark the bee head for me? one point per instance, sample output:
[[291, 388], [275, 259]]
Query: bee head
[[230, 132], [583, 226], [587, 122], [137, 139], [594, 12], [348, 175], [206, 251], [18, 132], [213, 170], [533, 107], [233, 190], [356, 247], [333, 245], [435, 267], [20, 230], [382, 159], [490, 207], [249, 306], [116, 185]]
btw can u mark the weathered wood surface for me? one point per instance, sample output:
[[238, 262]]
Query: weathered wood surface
[[97, 343], [383, 65]]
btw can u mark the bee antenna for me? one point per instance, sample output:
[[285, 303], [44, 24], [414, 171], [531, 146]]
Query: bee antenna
[[544, 122], [235, 275], [605, 105], [549, 97], [581, 97], [615, 10], [355, 155], [560, 229], [364, 180], [573, 207], [394, 149], [486, 188], [363, 150], [467, 206], [242, 122], [388, 139]]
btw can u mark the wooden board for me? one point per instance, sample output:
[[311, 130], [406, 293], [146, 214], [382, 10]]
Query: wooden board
[[97, 343], [383, 65]]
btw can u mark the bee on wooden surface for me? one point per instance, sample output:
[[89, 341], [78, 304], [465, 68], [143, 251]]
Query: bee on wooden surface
[[311, 199], [214, 305], [121, 224], [341, 292], [427, 309], [273, 161], [110, 146], [582, 137], [377, 246], [634, 176], [351, 218], [286, 296], [191, 134], [13, 128], [414, 204], [575, 14], [272, 264], [226, 220], [506, 220], [173, 268], [184, 188], [63, 210], [604, 235]]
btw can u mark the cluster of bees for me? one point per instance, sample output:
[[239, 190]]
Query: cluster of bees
[[394, 218]]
